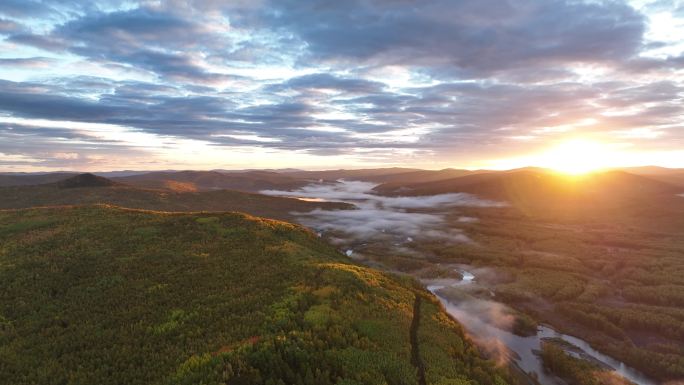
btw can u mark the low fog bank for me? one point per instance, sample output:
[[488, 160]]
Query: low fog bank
[[397, 221], [357, 191], [472, 294], [486, 321]]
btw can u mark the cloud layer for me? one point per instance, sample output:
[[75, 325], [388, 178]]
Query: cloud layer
[[381, 82]]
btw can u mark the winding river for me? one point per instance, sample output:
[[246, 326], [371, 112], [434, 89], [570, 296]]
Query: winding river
[[392, 220], [521, 349]]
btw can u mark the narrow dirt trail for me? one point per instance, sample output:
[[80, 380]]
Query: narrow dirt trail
[[415, 352]]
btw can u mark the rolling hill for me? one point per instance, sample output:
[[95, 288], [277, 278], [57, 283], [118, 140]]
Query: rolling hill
[[668, 175], [536, 184], [24, 179], [86, 180], [673, 176], [91, 189], [422, 176], [255, 180], [537, 191], [105, 295], [251, 181], [370, 174]]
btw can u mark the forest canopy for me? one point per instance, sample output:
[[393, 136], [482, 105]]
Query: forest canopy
[[106, 295]]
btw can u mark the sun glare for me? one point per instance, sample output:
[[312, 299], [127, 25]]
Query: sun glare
[[576, 157]]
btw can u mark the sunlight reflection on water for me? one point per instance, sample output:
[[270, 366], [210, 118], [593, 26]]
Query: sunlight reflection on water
[[486, 334]]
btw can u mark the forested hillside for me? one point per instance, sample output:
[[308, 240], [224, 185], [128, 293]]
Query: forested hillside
[[252, 181], [91, 189], [104, 295]]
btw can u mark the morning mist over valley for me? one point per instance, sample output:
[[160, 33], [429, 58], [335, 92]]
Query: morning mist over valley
[[313, 192]]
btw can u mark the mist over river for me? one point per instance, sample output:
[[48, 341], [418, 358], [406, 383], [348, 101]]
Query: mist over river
[[481, 320], [398, 224]]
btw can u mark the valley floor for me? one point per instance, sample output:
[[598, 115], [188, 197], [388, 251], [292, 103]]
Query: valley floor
[[613, 277]]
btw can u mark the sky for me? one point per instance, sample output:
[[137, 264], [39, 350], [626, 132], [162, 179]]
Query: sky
[[109, 85]]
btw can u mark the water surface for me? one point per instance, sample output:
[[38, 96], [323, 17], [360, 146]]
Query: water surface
[[521, 350]]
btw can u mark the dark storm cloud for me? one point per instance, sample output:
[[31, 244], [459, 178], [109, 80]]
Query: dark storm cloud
[[329, 82], [468, 38], [196, 117], [468, 111], [127, 32], [177, 67], [23, 8], [39, 101], [129, 102], [9, 26], [47, 43], [143, 38], [651, 65], [473, 36]]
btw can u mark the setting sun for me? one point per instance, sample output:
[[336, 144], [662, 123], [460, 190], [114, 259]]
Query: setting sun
[[576, 157]]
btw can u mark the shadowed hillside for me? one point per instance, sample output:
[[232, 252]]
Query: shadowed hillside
[[545, 192], [213, 180], [535, 183], [86, 180], [421, 176], [22, 179], [103, 295], [673, 176], [89, 189]]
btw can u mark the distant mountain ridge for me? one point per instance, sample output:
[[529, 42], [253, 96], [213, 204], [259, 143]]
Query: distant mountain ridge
[[91, 189], [370, 174], [24, 179], [542, 193], [254, 179], [251, 181], [535, 182]]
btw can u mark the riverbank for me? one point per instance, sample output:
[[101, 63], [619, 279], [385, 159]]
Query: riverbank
[[486, 322]]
